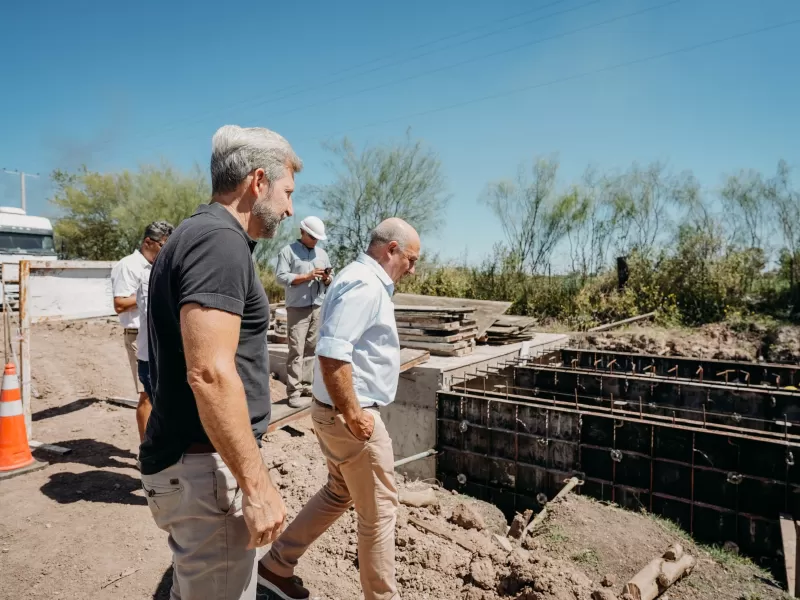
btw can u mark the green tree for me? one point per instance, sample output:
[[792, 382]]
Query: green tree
[[534, 218], [395, 180], [103, 215], [785, 203]]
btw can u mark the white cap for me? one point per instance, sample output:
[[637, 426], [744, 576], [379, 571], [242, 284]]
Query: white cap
[[314, 227]]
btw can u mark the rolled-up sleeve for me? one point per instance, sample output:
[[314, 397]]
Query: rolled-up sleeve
[[350, 312], [283, 269], [125, 282]]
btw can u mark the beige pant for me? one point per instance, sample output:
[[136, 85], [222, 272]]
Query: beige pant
[[198, 502], [130, 348], [303, 326], [358, 472]]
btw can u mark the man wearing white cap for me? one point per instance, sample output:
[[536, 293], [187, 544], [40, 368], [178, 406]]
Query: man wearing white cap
[[305, 271]]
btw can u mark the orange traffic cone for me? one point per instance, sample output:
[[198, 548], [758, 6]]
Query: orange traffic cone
[[14, 450]]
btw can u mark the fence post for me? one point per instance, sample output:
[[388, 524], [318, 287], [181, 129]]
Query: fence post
[[25, 342]]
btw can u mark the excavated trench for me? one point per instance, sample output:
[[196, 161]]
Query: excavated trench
[[709, 444]]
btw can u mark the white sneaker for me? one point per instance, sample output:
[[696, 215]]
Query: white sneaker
[[299, 401]]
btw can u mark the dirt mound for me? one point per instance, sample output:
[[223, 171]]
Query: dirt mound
[[723, 341], [429, 566], [607, 541]]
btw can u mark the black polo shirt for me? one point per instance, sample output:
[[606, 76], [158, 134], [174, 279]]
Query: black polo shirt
[[208, 261]]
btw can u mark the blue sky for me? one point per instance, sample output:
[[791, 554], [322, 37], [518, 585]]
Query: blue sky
[[116, 85]]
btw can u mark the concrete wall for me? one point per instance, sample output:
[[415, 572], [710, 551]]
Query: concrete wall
[[411, 418]]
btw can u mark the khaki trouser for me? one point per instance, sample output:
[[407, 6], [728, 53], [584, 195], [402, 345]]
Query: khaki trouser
[[130, 348], [198, 502], [303, 329], [360, 473]]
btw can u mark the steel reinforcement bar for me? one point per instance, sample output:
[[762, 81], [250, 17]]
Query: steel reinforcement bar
[[754, 407], [744, 373]]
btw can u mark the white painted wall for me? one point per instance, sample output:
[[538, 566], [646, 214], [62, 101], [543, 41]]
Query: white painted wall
[[64, 290]]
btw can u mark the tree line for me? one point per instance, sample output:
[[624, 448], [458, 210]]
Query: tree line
[[696, 255]]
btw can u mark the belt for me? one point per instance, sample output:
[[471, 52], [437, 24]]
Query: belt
[[130, 330], [328, 406], [200, 448]]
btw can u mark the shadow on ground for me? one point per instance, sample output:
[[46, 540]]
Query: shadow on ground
[[65, 409], [164, 586], [94, 486], [92, 453]]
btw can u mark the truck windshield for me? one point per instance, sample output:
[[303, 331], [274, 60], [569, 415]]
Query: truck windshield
[[20, 243]]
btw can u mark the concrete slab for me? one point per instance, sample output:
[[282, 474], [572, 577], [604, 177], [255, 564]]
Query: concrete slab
[[35, 466], [278, 355]]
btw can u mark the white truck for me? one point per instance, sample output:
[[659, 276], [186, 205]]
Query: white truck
[[22, 237]]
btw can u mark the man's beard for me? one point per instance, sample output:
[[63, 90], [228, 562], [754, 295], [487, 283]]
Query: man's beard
[[269, 219]]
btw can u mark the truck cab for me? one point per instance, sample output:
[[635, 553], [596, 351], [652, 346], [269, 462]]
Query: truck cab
[[22, 237]]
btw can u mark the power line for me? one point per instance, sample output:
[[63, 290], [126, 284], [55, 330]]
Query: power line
[[271, 98], [477, 58], [545, 84], [467, 61]]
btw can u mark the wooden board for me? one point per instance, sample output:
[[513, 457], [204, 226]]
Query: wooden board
[[411, 357], [283, 414], [789, 539], [457, 349], [486, 312], [431, 326], [426, 318], [434, 309], [422, 337]]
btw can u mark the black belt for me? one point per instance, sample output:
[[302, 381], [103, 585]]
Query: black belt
[[200, 448], [323, 405]]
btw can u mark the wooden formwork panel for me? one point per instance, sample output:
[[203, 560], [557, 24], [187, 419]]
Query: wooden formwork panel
[[719, 486]]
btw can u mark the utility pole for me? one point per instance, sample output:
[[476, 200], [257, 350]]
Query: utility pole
[[22, 176]]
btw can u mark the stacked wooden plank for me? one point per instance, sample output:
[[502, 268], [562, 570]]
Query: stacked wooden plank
[[442, 330], [509, 329]]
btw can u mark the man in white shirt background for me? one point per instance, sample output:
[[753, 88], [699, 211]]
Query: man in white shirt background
[[127, 277], [304, 269], [356, 372]]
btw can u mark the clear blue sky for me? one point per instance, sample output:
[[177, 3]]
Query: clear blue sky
[[118, 84]]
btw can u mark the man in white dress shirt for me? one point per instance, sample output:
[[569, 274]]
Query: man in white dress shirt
[[355, 373], [127, 277]]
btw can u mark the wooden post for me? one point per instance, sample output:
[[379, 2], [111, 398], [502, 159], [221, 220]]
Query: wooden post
[[790, 555], [622, 272], [25, 342]]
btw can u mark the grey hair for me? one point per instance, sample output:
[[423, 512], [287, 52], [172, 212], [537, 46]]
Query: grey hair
[[158, 230], [390, 230], [237, 151]]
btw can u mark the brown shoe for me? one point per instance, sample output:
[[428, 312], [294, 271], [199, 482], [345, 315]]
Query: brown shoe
[[285, 588]]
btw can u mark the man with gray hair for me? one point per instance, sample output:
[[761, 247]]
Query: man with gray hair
[[202, 472], [356, 373]]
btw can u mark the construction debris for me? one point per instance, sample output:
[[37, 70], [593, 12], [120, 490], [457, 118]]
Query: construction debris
[[659, 574], [443, 331], [519, 523], [503, 542], [436, 530], [467, 517], [419, 498], [509, 329], [570, 485]]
